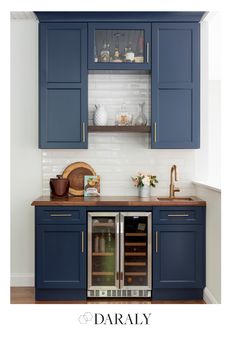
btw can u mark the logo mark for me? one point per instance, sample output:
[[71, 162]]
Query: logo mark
[[85, 318]]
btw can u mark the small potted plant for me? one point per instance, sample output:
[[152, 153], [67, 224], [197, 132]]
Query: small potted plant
[[144, 181]]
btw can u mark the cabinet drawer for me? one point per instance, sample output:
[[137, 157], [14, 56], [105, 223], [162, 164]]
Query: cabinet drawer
[[177, 215], [60, 215]]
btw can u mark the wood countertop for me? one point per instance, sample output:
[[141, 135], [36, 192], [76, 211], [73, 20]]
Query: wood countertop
[[117, 201]]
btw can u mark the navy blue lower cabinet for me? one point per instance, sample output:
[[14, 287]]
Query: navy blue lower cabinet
[[175, 85], [178, 261], [60, 262]]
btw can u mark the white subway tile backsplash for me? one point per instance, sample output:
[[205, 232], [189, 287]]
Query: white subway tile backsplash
[[118, 156]]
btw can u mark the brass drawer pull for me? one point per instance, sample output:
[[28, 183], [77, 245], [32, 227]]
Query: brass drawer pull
[[155, 132], [83, 132], [156, 242], [61, 215], [147, 49], [82, 241], [178, 215]]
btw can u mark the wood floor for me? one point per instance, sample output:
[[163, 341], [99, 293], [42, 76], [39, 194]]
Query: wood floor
[[25, 295]]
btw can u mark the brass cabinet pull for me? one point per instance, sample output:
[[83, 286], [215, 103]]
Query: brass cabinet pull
[[155, 132], [61, 215], [156, 242], [178, 215], [82, 241], [83, 132], [147, 54]]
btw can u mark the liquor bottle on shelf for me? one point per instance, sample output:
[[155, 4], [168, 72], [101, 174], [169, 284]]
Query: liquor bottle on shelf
[[109, 245], [102, 243], [130, 55], [105, 53], [139, 58]]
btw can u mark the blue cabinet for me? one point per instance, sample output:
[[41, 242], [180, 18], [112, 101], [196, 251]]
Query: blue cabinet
[[63, 85], [175, 85], [119, 46], [60, 254], [178, 253]]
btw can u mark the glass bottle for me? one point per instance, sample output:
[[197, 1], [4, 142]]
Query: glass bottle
[[130, 55], [105, 53], [109, 245], [102, 243], [141, 119]]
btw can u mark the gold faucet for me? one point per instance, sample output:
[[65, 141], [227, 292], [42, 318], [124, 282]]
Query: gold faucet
[[173, 189]]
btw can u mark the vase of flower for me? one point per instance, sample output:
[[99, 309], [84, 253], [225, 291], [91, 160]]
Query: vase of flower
[[144, 191], [144, 182]]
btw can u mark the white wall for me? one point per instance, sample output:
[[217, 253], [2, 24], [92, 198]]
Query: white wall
[[25, 156], [212, 292]]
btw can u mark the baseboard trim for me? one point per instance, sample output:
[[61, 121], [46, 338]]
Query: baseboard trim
[[22, 280], [208, 297]]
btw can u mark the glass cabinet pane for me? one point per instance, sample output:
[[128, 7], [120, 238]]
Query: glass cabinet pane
[[119, 46], [135, 251], [103, 251]]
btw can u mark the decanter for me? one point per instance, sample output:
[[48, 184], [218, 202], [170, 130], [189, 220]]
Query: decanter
[[141, 119]]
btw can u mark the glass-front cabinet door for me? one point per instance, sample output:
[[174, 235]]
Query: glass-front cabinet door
[[119, 46], [103, 250], [135, 232]]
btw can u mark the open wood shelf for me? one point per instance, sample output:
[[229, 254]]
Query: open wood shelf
[[116, 128]]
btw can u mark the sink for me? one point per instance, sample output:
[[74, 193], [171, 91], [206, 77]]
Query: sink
[[175, 199]]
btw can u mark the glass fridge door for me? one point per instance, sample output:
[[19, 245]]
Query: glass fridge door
[[103, 250], [135, 250]]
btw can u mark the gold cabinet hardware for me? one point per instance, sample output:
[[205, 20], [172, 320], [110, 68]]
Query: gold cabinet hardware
[[83, 132], [178, 215], [156, 249], [82, 241], [60, 215], [155, 132], [147, 54]]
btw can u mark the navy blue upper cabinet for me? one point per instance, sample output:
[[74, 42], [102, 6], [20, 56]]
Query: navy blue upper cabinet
[[120, 46], [175, 85], [63, 85]]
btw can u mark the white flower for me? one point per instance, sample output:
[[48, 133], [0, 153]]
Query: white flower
[[146, 181]]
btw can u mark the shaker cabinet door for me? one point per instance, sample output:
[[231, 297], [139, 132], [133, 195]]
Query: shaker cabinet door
[[60, 256], [175, 85], [178, 256], [63, 85]]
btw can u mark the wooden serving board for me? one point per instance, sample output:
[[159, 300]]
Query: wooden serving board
[[75, 174]]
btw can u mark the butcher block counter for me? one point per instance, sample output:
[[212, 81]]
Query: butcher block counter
[[117, 201]]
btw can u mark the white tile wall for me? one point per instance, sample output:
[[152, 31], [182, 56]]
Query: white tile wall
[[112, 90], [116, 157]]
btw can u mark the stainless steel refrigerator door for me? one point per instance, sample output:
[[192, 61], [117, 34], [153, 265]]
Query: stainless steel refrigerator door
[[93, 219], [142, 265]]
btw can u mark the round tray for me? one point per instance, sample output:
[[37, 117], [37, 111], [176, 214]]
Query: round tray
[[75, 174]]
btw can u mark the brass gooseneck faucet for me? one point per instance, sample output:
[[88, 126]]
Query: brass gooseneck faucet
[[173, 189]]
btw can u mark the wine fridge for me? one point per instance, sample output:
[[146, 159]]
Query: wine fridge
[[119, 254]]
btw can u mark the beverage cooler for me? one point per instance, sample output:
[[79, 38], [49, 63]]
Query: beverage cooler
[[119, 254]]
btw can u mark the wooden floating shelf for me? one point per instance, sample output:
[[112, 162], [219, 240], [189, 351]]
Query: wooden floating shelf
[[119, 128], [135, 263], [102, 273], [135, 253], [136, 274], [102, 254], [135, 244], [135, 234]]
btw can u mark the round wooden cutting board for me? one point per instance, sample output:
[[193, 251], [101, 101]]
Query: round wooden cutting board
[[75, 174]]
